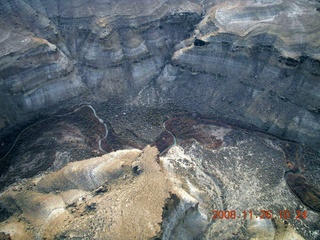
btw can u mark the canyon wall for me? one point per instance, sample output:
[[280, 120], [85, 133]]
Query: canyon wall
[[252, 63], [178, 86]]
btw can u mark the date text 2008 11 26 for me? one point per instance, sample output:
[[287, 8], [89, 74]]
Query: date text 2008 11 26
[[264, 214]]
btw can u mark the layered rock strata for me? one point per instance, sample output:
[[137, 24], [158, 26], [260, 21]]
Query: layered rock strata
[[259, 66], [56, 51], [248, 63]]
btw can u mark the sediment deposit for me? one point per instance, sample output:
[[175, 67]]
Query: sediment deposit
[[225, 92], [260, 65]]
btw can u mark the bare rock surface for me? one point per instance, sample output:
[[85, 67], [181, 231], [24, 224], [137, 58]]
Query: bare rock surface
[[253, 66], [55, 51], [259, 66], [51, 144], [70, 203], [135, 194]]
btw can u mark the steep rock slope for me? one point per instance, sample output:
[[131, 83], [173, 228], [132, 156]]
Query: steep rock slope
[[256, 63], [54, 51], [137, 194], [259, 66], [248, 63]]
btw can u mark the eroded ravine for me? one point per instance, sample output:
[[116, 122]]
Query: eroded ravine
[[59, 115], [252, 63], [53, 142], [225, 164], [187, 128]]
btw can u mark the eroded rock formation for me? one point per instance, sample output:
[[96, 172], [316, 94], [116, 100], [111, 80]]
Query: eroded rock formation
[[259, 66], [238, 64], [137, 194], [77, 201]]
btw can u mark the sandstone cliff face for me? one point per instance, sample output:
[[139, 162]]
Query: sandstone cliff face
[[260, 65]]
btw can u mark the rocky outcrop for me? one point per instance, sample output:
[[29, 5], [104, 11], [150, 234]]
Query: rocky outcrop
[[55, 51], [249, 64], [97, 198], [259, 64], [52, 143], [130, 194], [34, 74]]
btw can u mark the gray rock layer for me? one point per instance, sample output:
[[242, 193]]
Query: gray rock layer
[[260, 65]]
